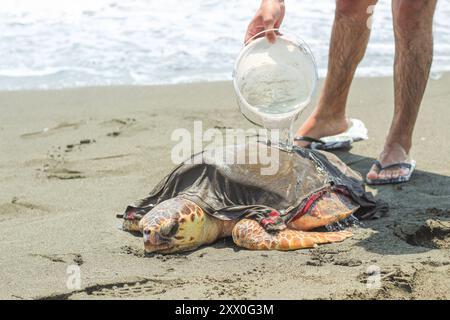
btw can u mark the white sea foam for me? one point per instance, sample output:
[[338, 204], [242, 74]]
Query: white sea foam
[[64, 43]]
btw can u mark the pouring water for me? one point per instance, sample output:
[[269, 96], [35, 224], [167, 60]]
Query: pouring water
[[274, 83]]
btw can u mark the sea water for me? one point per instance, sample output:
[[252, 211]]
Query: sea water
[[67, 43], [275, 83], [274, 89], [276, 96]]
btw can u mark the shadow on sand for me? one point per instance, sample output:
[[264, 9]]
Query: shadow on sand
[[419, 212]]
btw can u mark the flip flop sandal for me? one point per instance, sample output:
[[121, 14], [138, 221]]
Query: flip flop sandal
[[318, 144], [356, 131], [406, 165]]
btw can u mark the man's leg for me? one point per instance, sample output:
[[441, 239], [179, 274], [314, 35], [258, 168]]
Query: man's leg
[[413, 28], [349, 40]]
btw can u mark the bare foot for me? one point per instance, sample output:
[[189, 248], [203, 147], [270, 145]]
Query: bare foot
[[394, 153], [319, 126]]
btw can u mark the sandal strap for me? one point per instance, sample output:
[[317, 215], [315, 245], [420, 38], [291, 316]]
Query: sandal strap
[[378, 165], [405, 165], [308, 139]]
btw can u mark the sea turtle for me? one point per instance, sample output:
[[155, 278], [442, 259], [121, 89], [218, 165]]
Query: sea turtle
[[202, 201]]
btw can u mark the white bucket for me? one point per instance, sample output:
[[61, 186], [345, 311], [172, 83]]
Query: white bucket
[[274, 82]]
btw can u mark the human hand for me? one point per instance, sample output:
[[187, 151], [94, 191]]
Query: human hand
[[269, 16]]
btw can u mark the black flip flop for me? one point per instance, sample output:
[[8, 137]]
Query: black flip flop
[[406, 165], [317, 144]]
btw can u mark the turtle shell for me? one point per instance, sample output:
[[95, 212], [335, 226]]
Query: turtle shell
[[240, 180]]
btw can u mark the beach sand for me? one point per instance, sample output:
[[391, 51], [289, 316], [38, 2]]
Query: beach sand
[[70, 160]]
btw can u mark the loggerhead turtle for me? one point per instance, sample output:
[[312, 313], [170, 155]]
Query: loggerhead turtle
[[203, 200]]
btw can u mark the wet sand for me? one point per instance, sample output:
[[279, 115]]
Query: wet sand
[[70, 160]]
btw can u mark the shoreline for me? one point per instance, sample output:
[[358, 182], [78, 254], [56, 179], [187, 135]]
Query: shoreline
[[71, 159], [440, 74]]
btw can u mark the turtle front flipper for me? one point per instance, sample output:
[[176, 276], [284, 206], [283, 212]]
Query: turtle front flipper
[[249, 234]]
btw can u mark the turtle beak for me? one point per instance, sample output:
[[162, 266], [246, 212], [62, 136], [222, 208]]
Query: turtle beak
[[146, 234], [154, 238], [153, 241]]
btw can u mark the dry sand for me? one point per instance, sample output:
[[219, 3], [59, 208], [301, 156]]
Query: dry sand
[[106, 147]]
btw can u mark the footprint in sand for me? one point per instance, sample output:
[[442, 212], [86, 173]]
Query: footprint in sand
[[125, 122], [64, 174], [56, 166], [49, 131], [124, 127], [142, 288], [18, 208], [394, 281], [430, 230], [128, 289], [77, 146], [88, 168], [61, 258]]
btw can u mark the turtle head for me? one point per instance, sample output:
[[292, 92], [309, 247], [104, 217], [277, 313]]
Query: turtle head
[[172, 226]]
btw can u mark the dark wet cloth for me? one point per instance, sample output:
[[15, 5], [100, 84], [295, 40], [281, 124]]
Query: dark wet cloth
[[233, 191]]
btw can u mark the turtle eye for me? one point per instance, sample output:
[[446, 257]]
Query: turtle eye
[[169, 229]]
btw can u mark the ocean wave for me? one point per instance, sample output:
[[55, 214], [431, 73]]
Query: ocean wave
[[35, 73], [64, 43]]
